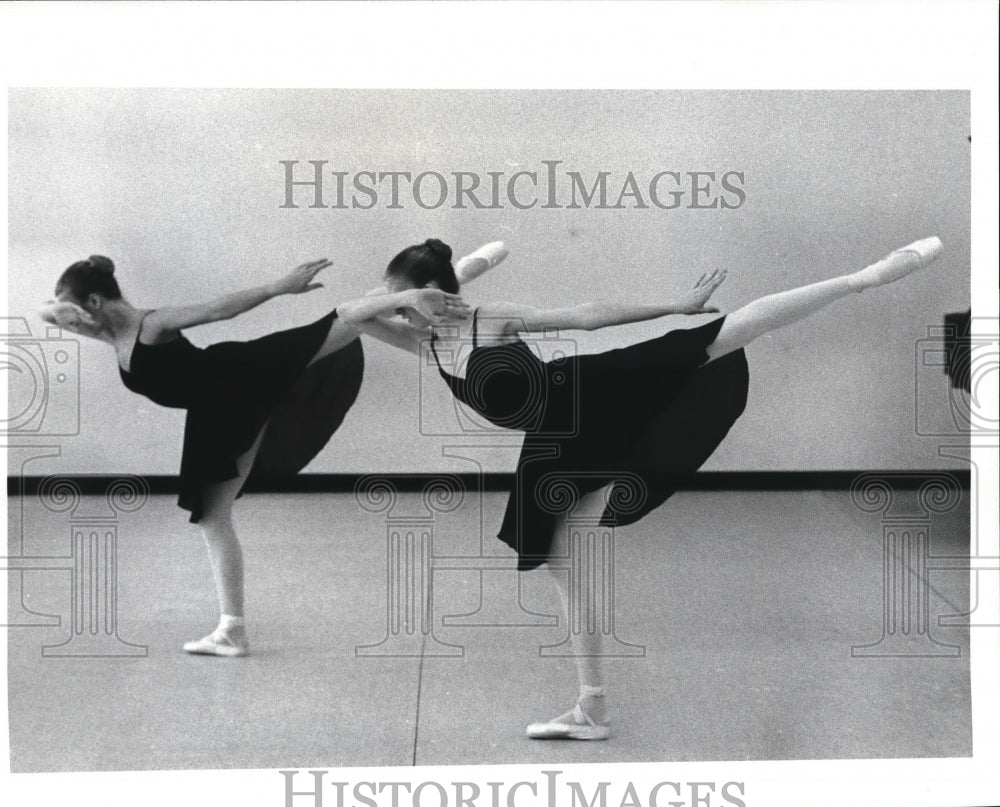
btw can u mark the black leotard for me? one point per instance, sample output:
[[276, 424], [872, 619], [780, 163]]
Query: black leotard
[[232, 389], [642, 417]]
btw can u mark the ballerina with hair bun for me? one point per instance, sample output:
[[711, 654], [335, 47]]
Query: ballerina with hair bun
[[655, 410], [264, 407]]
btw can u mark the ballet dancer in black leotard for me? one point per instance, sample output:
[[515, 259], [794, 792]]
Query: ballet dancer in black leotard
[[654, 410], [266, 406]]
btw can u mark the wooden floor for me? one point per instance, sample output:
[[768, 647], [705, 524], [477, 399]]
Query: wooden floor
[[738, 621]]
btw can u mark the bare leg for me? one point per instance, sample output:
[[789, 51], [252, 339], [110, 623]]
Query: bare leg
[[775, 311], [226, 557], [587, 645], [778, 310]]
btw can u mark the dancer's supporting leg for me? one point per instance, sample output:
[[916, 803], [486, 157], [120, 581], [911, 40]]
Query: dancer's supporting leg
[[226, 557], [777, 310], [587, 720]]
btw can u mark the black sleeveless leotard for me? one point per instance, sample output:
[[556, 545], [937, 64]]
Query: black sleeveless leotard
[[641, 418], [232, 389]]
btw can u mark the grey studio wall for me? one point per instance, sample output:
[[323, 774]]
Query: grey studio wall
[[184, 190]]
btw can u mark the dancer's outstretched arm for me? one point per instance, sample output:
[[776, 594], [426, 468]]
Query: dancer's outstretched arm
[[434, 304], [76, 319], [591, 316], [516, 318], [407, 337], [176, 318], [368, 315], [398, 334]]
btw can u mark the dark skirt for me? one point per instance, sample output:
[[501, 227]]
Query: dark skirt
[[266, 381], [646, 417]]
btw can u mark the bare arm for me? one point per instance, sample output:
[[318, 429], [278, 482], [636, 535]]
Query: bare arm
[[398, 334], [371, 313], [402, 335], [591, 316], [433, 304], [175, 318]]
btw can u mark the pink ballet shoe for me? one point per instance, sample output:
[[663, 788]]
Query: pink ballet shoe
[[897, 264], [583, 728], [217, 644]]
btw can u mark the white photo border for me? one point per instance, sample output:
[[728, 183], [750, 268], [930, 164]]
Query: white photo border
[[514, 45]]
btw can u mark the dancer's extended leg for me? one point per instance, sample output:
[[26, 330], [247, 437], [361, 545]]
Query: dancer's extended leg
[[587, 720], [226, 557], [777, 310]]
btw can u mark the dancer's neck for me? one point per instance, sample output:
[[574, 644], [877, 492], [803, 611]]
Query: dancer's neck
[[118, 318]]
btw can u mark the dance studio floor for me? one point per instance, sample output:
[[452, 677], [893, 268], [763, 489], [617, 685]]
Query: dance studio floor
[[744, 607]]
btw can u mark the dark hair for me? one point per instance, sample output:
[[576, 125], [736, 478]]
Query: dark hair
[[96, 275], [424, 264]]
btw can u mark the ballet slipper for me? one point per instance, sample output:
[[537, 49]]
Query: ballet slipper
[[582, 727], [897, 264], [217, 644], [482, 260]]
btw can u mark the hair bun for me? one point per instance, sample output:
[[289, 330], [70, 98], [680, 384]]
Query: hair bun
[[438, 248], [102, 265]]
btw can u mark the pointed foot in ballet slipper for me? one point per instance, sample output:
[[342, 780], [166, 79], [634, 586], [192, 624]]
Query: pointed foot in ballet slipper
[[898, 264], [217, 645], [483, 259], [926, 249], [577, 725]]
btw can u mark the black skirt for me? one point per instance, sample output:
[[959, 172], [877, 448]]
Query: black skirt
[[270, 380], [643, 418]]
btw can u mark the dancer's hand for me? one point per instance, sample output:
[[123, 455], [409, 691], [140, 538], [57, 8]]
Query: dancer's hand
[[438, 306], [68, 315], [299, 280], [694, 301]]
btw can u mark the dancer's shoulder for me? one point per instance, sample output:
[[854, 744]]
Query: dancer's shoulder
[[501, 318]]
